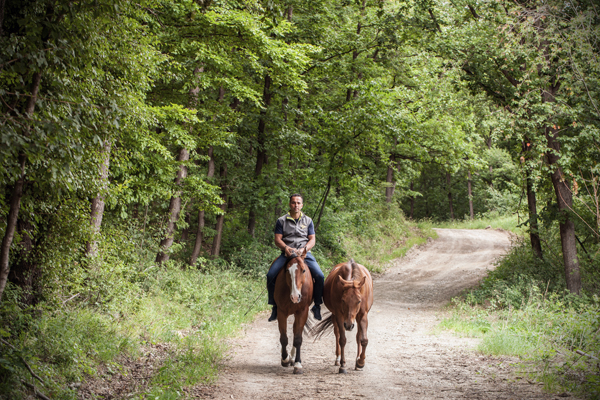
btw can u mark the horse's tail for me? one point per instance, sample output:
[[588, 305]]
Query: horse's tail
[[322, 328]]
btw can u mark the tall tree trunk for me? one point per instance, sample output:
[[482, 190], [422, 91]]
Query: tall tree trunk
[[534, 236], [324, 202], [412, 202], [216, 246], [564, 198], [261, 154], [389, 190], [98, 202], [200, 229], [470, 195], [25, 271], [174, 210], [16, 194], [488, 142], [449, 195]]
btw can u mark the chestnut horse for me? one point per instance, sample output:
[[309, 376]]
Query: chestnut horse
[[293, 295], [348, 294]]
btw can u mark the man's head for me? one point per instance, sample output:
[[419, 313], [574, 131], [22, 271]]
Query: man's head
[[296, 203]]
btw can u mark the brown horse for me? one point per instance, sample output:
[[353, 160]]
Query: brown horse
[[348, 294], [293, 295]]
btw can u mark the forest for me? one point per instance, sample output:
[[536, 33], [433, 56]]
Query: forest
[[148, 146]]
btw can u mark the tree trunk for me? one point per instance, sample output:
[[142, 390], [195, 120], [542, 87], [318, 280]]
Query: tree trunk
[[488, 142], [16, 194], [470, 195], [389, 190], [261, 154], [174, 210], [564, 198], [200, 230], [449, 195], [534, 236], [412, 202], [13, 213], [324, 202], [98, 202], [216, 246]]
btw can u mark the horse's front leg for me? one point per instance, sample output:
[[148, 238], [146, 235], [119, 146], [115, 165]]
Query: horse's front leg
[[286, 360], [336, 331], [299, 322], [361, 341], [342, 344]]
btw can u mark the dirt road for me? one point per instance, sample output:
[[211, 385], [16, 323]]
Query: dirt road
[[404, 359]]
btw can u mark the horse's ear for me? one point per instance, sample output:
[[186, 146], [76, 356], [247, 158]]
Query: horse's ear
[[362, 282], [343, 281]]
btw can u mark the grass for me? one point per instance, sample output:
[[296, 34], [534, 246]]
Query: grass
[[506, 222], [189, 312], [387, 237]]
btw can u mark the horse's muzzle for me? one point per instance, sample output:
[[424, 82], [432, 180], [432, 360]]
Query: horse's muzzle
[[296, 299], [348, 327]]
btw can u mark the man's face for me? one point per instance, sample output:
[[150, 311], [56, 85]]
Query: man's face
[[296, 204]]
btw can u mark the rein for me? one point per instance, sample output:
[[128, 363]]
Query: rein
[[293, 255]]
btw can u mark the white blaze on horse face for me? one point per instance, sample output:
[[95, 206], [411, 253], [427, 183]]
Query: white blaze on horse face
[[295, 295]]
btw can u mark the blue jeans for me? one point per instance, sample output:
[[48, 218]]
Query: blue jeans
[[315, 271]]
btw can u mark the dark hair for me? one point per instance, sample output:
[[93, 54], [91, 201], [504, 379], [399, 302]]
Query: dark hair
[[297, 195]]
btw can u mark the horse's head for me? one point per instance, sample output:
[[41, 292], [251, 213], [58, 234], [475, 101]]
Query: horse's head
[[296, 271], [351, 299]]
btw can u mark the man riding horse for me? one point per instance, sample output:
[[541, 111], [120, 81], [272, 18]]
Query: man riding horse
[[294, 232]]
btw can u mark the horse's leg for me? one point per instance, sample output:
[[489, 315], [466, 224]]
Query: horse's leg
[[336, 331], [342, 345], [358, 336], [299, 321], [286, 360], [362, 341]]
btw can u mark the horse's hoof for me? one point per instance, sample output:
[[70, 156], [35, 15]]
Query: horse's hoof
[[337, 363], [286, 364], [358, 367], [343, 371], [298, 371]]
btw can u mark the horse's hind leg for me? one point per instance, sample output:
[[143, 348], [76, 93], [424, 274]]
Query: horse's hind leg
[[299, 322], [286, 360], [362, 342]]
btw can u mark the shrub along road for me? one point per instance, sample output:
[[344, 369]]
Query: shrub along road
[[405, 360]]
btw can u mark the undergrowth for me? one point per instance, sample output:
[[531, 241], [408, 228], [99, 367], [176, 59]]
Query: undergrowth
[[523, 309]]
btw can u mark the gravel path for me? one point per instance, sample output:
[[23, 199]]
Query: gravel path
[[404, 359]]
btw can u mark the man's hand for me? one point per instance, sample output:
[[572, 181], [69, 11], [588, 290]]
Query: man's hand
[[288, 251]]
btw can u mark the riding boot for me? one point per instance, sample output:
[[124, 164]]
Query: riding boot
[[273, 316], [316, 310]]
